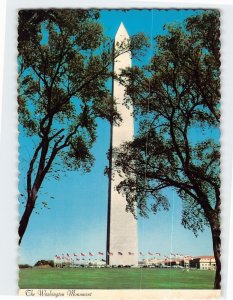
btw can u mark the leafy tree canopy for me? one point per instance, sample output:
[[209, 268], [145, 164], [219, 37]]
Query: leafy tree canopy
[[176, 99], [65, 62]]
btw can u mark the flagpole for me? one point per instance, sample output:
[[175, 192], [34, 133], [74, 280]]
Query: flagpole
[[172, 226]]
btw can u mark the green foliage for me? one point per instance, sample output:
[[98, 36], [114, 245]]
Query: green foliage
[[44, 262], [176, 100], [24, 266], [59, 67], [64, 64]]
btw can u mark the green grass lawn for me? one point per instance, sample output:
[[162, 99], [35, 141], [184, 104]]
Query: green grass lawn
[[115, 279]]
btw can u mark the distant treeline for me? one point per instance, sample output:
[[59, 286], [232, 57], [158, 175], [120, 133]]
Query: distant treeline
[[42, 262]]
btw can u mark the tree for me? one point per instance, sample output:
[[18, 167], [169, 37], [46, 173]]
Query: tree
[[44, 262], [64, 64], [176, 99]]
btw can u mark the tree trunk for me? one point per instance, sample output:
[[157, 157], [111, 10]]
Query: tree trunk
[[216, 231], [25, 219]]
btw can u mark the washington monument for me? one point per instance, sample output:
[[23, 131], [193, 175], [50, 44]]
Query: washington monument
[[122, 238]]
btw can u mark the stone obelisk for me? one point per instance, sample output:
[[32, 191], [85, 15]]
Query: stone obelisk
[[122, 238]]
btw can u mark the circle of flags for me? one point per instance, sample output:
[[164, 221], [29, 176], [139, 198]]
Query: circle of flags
[[69, 256], [89, 258]]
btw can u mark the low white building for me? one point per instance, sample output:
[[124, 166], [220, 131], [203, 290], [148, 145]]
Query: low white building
[[204, 263]]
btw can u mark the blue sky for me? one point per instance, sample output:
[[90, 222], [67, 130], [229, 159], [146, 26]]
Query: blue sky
[[77, 218]]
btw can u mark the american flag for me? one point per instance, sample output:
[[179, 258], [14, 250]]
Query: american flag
[[157, 253], [120, 253], [91, 254], [83, 254], [131, 253], [100, 253], [150, 253]]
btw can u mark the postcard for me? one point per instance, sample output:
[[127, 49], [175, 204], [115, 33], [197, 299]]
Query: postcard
[[119, 153]]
